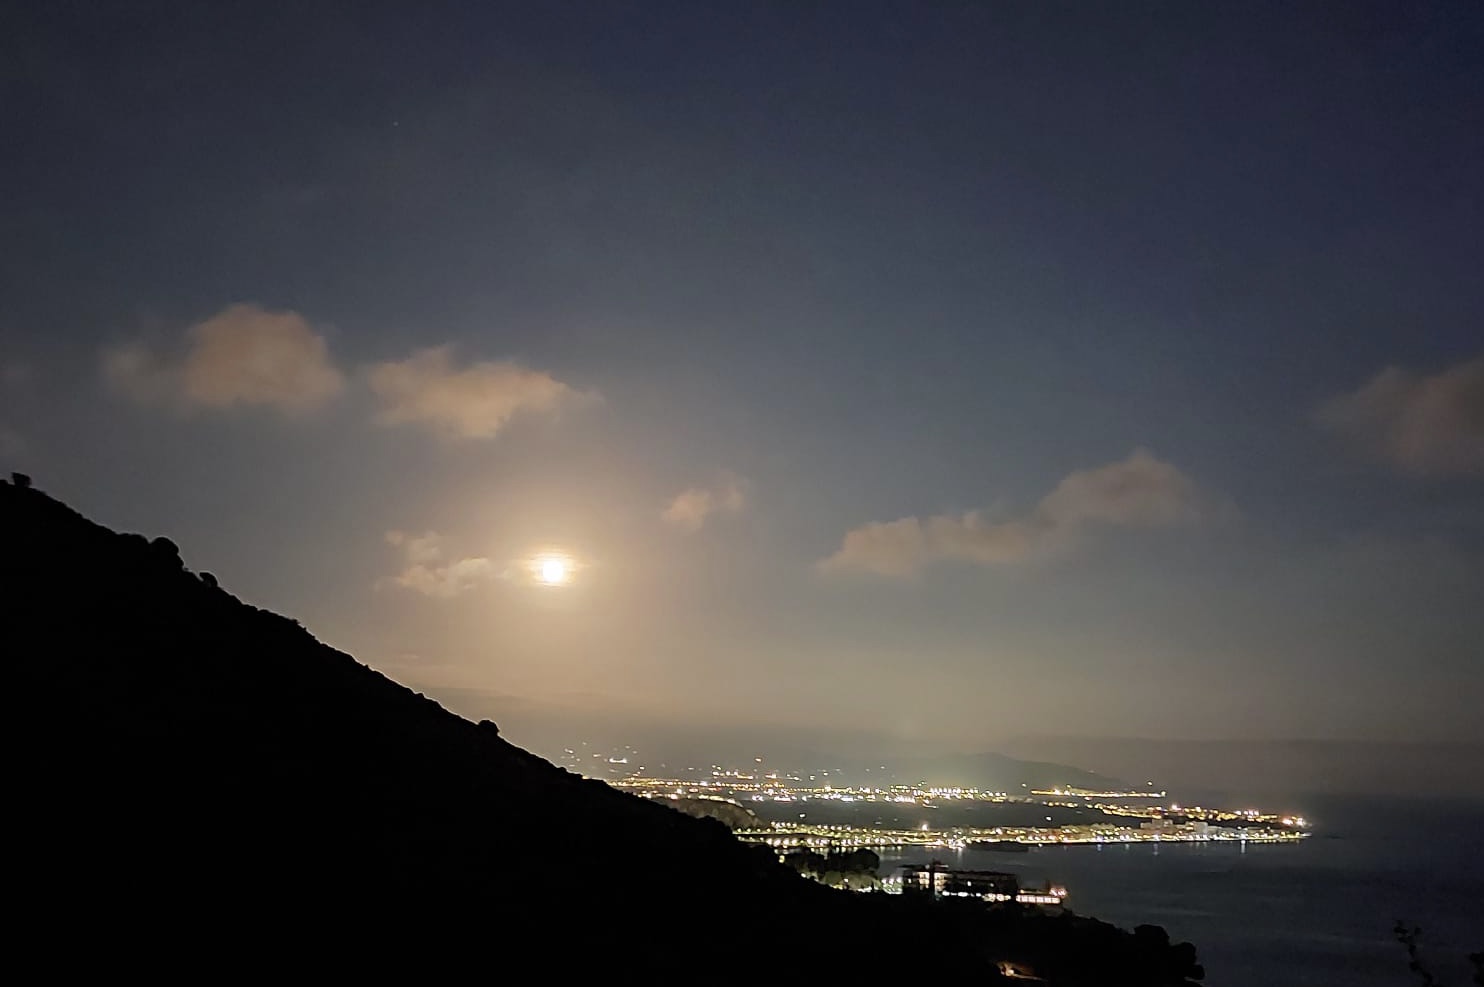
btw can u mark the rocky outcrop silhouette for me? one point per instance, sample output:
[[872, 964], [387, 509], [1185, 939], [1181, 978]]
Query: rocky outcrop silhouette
[[199, 782]]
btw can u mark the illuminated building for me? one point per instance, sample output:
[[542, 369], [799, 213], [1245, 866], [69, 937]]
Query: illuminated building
[[986, 885], [943, 882]]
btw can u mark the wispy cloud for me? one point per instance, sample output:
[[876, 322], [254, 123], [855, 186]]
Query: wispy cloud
[[427, 569], [243, 355], [475, 402], [690, 508], [1140, 491], [1425, 425]]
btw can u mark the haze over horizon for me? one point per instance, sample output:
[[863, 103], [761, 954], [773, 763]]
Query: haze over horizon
[[996, 375]]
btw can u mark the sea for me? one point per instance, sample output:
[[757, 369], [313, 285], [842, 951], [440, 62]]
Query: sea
[[1319, 912]]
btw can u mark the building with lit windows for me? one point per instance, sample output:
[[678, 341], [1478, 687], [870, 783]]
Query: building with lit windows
[[987, 885], [944, 882]]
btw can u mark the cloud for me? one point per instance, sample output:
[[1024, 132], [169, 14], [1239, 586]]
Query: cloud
[[427, 570], [1428, 426], [886, 548], [243, 355], [690, 508], [1138, 492], [473, 403]]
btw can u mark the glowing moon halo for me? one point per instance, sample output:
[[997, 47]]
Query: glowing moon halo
[[552, 570]]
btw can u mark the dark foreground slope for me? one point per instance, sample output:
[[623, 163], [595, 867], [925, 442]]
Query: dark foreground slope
[[190, 769]]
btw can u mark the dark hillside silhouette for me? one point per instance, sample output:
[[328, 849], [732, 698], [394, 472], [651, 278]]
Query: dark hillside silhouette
[[186, 764]]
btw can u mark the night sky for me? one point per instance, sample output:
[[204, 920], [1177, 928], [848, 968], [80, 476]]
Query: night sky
[[949, 372]]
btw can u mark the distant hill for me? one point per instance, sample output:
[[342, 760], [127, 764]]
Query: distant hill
[[195, 781], [996, 772], [1250, 770], [849, 759], [730, 814]]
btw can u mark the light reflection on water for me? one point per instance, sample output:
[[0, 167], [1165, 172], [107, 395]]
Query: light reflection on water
[[1316, 913]]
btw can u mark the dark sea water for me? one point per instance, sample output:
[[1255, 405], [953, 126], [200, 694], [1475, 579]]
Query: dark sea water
[[1316, 913]]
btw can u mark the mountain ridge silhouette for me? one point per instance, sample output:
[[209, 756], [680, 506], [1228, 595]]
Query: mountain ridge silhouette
[[195, 770]]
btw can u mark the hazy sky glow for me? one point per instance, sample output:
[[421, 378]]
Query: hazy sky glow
[[951, 372]]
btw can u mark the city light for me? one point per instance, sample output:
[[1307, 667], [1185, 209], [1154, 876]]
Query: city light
[[1128, 821]]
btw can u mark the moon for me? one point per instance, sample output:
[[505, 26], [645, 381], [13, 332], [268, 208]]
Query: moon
[[553, 570]]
